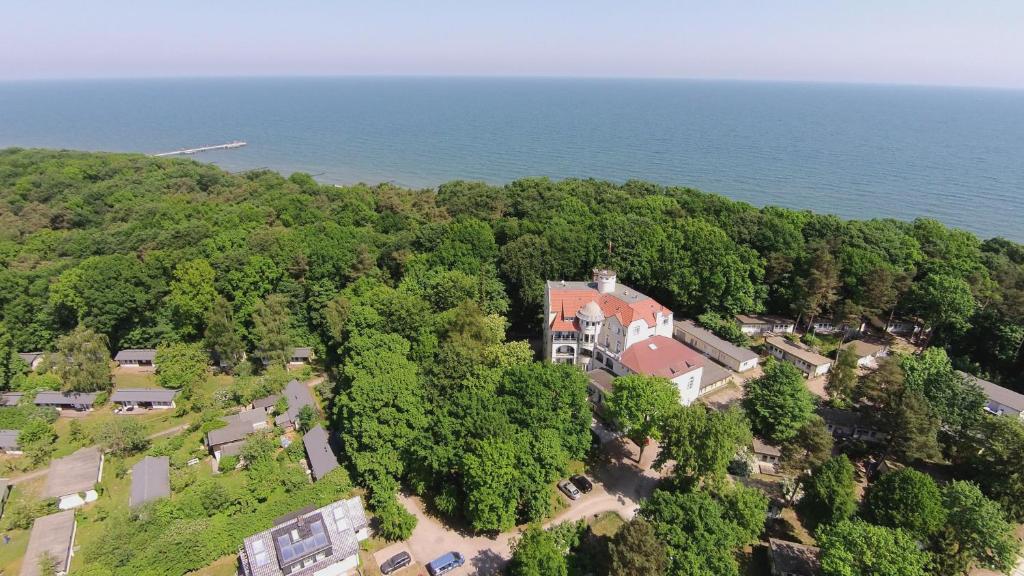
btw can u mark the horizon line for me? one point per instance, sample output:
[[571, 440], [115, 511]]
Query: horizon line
[[54, 79]]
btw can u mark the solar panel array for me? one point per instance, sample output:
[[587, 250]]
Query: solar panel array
[[293, 548]]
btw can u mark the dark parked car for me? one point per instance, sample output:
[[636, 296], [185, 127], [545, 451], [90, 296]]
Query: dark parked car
[[582, 483], [396, 562]]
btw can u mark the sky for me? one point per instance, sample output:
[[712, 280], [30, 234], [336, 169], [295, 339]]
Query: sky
[[944, 42]]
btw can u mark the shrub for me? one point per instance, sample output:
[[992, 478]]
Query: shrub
[[227, 463]]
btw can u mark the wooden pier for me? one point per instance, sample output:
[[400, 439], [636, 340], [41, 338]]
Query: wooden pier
[[228, 146]]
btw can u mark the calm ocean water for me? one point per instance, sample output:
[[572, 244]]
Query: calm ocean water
[[857, 151]]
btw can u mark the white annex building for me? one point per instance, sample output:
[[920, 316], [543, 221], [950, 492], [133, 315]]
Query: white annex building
[[603, 324]]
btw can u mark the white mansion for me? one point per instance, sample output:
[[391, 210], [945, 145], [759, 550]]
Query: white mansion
[[603, 324]]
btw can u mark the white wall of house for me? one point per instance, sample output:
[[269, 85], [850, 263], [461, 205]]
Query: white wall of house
[[1003, 410], [344, 568], [689, 385]]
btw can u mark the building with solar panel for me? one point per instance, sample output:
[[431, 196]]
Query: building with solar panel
[[321, 541]]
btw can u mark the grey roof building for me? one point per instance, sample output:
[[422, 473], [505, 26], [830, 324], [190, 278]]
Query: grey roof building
[[67, 400], [307, 542], [11, 398], [136, 357], [318, 449], [297, 394], [53, 535], [144, 396], [1001, 401], [31, 358], [301, 355], [151, 480], [227, 441], [728, 354], [9, 441], [792, 559], [266, 403], [72, 475]]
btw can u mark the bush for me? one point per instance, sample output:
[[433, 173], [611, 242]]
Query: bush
[[123, 436], [20, 513], [227, 463], [396, 523]]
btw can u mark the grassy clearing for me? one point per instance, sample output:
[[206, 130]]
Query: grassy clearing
[[124, 378], [11, 554], [606, 524], [224, 566]]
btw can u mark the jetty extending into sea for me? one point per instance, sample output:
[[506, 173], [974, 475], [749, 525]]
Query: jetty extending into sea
[[228, 146]]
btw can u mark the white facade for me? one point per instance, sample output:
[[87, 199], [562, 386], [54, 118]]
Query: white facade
[[810, 363], [759, 325], [726, 353], [585, 336]]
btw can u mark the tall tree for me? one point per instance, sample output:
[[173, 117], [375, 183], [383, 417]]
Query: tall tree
[[639, 405], [221, 336], [819, 285], [778, 403], [957, 402], [192, 297], [944, 302], [902, 412], [854, 548], [842, 379], [906, 499], [635, 549], [536, 553], [809, 449], [82, 361], [701, 442], [976, 533], [270, 325], [829, 492], [9, 365], [181, 366], [995, 459]]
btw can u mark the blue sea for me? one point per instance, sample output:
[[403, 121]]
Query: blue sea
[[858, 151]]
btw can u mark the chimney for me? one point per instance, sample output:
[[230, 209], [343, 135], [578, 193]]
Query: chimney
[[605, 280]]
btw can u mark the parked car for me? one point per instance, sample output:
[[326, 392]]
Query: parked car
[[571, 491], [581, 482], [396, 562], [445, 563]]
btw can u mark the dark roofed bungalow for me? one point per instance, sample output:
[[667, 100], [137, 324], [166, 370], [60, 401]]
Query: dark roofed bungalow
[[53, 535], [150, 480], [78, 401], [150, 398], [227, 441], [11, 398], [318, 449], [9, 441], [72, 479], [266, 403], [33, 359], [144, 357], [793, 559], [301, 355], [298, 395]]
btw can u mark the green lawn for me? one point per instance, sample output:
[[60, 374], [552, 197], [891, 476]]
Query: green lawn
[[11, 553], [606, 524], [134, 379]]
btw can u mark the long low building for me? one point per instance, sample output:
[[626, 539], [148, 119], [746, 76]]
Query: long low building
[[77, 401], [1001, 401], [72, 479], [9, 441], [151, 480], [228, 441], [313, 541], [52, 536], [136, 357], [756, 325], [146, 398], [809, 362], [720, 350]]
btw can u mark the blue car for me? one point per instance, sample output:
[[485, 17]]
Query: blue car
[[445, 563]]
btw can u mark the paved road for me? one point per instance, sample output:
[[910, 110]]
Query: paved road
[[619, 485]]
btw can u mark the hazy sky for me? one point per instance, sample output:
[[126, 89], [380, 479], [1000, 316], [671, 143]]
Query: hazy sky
[[957, 42]]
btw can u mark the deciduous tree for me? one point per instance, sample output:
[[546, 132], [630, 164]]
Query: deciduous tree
[[536, 553], [635, 549], [82, 361], [640, 405], [270, 331], [854, 548], [829, 492], [778, 403], [906, 499]]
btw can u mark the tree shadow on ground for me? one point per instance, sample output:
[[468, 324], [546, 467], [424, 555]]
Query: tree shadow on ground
[[487, 563]]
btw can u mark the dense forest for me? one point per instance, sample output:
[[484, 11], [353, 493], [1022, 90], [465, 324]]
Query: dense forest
[[420, 305], [146, 250]]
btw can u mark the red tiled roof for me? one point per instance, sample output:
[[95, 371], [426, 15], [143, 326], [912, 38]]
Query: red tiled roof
[[565, 302], [661, 356]]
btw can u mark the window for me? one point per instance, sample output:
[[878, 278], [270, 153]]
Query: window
[[636, 330], [690, 384]]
